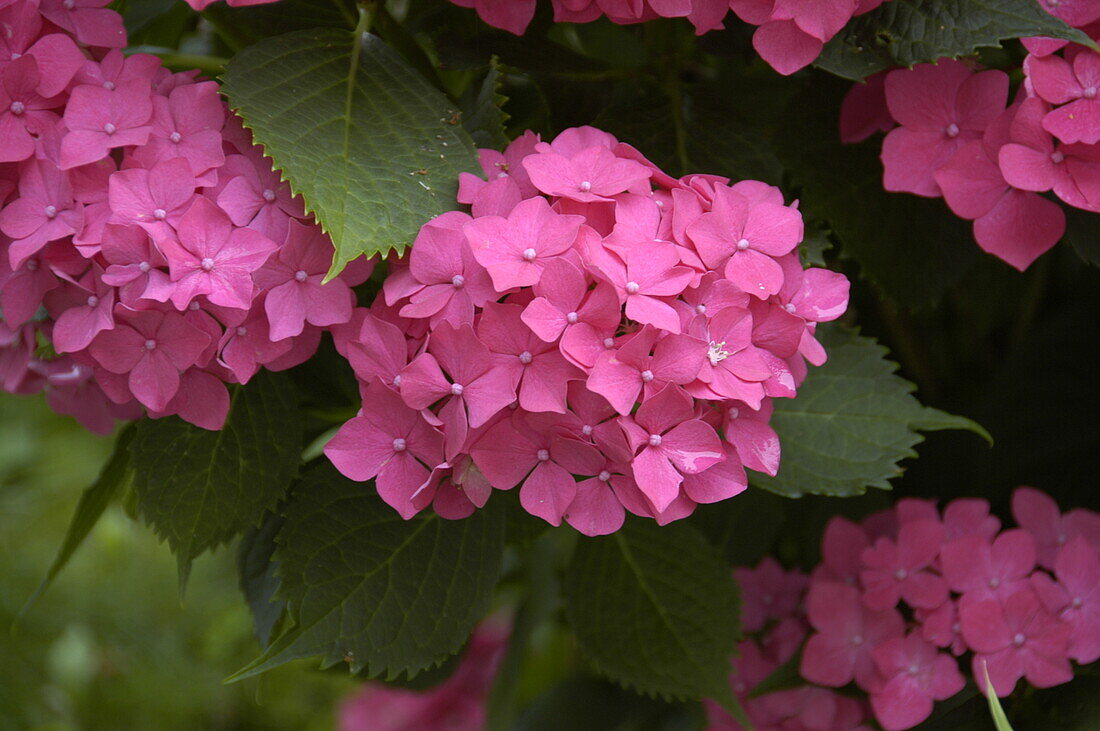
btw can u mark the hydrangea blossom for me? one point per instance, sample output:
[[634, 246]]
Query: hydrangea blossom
[[148, 253], [1003, 613], [951, 133], [597, 334]]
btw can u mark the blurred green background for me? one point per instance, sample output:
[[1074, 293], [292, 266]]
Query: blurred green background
[[111, 645]]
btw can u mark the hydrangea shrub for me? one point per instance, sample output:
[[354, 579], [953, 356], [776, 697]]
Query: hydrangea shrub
[[544, 305]]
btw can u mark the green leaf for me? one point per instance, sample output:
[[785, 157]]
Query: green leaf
[[388, 596], [1000, 720], [853, 421], [655, 610], [113, 478], [199, 488], [372, 147], [483, 111], [907, 32], [256, 576]]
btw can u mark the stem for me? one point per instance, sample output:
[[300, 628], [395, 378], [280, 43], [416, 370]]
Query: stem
[[211, 66]]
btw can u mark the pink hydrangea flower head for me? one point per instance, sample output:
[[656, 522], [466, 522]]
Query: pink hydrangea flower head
[[1075, 598], [1071, 84], [593, 174], [974, 566], [1036, 512], [768, 592]]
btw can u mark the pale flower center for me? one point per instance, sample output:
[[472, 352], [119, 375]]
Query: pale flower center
[[1019, 639], [586, 430], [160, 214], [399, 445], [51, 211], [17, 108], [150, 344], [1089, 93], [1057, 157], [110, 128], [647, 376], [207, 264], [717, 352], [742, 244], [525, 357], [654, 440], [951, 130], [458, 281], [700, 309], [397, 381], [456, 389], [632, 287], [175, 137], [857, 640], [585, 186], [994, 583], [900, 574], [144, 267], [93, 300], [529, 254], [572, 318], [301, 275], [609, 343], [543, 455], [242, 332], [269, 195], [604, 475], [109, 85]]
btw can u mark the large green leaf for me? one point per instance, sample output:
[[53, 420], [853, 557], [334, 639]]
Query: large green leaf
[[114, 476], [655, 609], [200, 488], [388, 596], [256, 576], [907, 32], [853, 421], [372, 147]]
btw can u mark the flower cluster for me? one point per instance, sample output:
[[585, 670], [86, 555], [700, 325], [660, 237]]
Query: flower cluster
[[957, 137], [593, 317], [789, 36], [896, 600], [456, 704], [148, 252]]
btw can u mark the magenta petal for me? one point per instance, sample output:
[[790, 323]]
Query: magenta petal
[[547, 492], [154, 380], [398, 480], [656, 477], [595, 511], [359, 449]]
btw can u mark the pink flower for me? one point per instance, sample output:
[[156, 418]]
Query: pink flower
[[840, 650], [153, 198], [244, 348], [187, 124], [1037, 513], [940, 107], [747, 236], [645, 280], [1071, 84], [768, 592], [842, 545], [980, 569], [914, 675], [1076, 597], [671, 443], [92, 313], [540, 371], [24, 113], [389, 442], [378, 350], [733, 368], [863, 111], [516, 249], [294, 280], [153, 348], [510, 15], [44, 211], [1016, 638], [511, 452], [89, 20], [443, 281], [593, 174], [899, 570], [212, 258], [645, 361], [565, 308], [254, 195], [757, 443], [459, 369], [100, 120]]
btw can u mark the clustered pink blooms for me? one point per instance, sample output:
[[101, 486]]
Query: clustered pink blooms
[[789, 36], [896, 599], [456, 704], [203, 4], [603, 335], [957, 136], [148, 252]]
